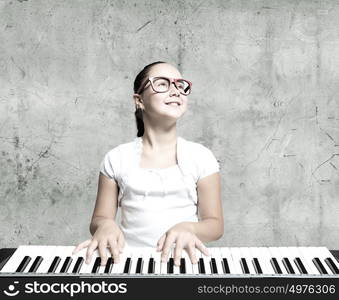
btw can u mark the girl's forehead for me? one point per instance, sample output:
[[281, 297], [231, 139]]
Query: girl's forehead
[[166, 70]]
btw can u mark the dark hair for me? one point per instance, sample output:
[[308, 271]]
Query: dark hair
[[139, 80]]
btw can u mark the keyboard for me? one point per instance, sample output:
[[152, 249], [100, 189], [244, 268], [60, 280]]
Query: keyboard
[[222, 261]]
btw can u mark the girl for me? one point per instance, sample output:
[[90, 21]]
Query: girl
[[167, 187]]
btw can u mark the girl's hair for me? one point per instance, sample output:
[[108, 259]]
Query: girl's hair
[[139, 80]]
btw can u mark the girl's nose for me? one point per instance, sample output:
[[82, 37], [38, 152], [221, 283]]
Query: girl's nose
[[174, 90]]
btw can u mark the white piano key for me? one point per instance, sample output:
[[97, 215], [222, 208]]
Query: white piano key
[[327, 254], [288, 252], [59, 251], [146, 255], [101, 269], [176, 269], [226, 253], [15, 260], [146, 260], [136, 254], [163, 267], [307, 261], [319, 252], [81, 253], [157, 261], [33, 252], [206, 259], [199, 256], [118, 268], [188, 262], [236, 260], [65, 251], [295, 253], [215, 253], [48, 259], [245, 253], [276, 253], [264, 257], [195, 267], [307, 258], [87, 268]]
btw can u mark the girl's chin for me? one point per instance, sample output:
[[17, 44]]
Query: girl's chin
[[172, 114]]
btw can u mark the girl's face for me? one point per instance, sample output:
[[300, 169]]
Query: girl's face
[[156, 105]]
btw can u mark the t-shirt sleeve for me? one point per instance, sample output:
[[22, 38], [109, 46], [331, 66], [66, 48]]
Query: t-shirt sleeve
[[208, 164], [110, 164]]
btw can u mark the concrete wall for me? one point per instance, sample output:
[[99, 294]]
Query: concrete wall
[[265, 101]]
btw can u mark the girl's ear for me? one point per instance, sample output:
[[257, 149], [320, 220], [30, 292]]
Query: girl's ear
[[137, 100]]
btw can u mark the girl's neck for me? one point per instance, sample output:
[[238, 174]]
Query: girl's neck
[[159, 141]]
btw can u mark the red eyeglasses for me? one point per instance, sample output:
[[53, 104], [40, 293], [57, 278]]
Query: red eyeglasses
[[163, 84]]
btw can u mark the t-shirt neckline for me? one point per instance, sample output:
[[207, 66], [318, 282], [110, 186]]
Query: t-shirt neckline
[[139, 148]]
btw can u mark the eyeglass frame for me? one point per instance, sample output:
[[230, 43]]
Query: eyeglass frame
[[171, 80]]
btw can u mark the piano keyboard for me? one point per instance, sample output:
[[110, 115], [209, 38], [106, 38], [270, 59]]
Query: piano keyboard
[[255, 261]]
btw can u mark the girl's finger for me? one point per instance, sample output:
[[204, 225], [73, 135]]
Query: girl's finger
[[161, 241], [169, 241], [199, 244], [191, 250], [81, 246], [90, 250], [178, 253], [114, 248], [121, 242], [103, 252]]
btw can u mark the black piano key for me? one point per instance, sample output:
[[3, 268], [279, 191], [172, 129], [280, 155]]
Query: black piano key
[[332, 265], [244, 266], [23, 264], [300, 265], [78, 265], [151, 266], [288, 266], [256, 265], [54, 264], [225, 266], [35, 264], [170, 265], [96, 265], [127, 265], [109, 265], [275, 265], [201, 266], [182, 266], [319, 265], [139, 265], [213, 265], [66, 264]]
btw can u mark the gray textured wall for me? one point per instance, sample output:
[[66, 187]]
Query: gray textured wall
[[265, 101]]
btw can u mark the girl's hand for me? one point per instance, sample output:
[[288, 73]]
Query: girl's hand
[[184, 238], [109, 235]]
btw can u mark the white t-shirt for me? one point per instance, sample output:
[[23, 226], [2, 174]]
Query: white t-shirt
[[154, 200]]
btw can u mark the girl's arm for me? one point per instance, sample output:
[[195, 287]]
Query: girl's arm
[[106, 204], [211, 224], [103, 227]]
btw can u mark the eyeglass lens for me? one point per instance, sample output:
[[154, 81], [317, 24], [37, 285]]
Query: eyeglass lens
[[162, 85]]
